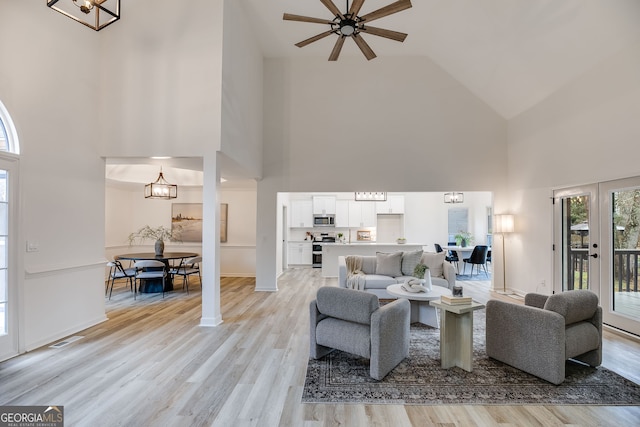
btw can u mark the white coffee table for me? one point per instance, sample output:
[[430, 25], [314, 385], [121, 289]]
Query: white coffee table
[[421, 311]]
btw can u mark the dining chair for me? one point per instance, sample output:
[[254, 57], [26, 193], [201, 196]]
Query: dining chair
[[187, 268], [478, 258], [147, 270], [452, 256], [117, 272]]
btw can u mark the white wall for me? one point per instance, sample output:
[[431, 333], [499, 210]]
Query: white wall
[[242, 81], [342, 127], [587, 132], [49, 84], [161, 92]]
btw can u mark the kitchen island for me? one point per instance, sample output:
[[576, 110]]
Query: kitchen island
[[331, 252]]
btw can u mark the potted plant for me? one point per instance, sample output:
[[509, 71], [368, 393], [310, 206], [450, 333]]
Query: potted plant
[[159, 234], [463, 237], [340, 237], [401, 240]]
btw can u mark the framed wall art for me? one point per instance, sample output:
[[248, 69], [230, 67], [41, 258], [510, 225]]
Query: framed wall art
[[186, 221]]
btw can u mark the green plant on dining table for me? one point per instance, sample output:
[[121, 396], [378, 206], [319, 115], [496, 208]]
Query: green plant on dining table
[[160, 233], [463, 238]]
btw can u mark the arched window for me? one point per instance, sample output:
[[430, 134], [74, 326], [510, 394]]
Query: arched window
[[8, 135]]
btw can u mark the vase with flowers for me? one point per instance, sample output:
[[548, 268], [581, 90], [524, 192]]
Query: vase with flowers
[[159, 234]]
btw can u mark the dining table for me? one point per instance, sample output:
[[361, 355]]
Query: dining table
[[463, 251], [155, 285]]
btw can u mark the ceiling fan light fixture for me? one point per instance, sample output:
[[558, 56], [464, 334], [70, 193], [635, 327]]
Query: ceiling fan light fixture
[[350, 24]]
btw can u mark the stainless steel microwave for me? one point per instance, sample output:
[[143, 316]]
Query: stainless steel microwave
[[324, 220]]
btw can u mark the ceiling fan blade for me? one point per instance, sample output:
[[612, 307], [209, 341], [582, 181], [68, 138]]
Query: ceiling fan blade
[[393, 35], [337, 48], [355, 7], [333, 8], [314, 38], [387, 10], [300, 18], [364, 47]]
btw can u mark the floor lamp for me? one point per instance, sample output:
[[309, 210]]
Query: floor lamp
[[504, 225]]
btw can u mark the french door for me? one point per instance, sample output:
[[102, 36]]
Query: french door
[[597, 247], [620, 221], [8, 285], [576, 246]]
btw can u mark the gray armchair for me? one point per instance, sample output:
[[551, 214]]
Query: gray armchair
[[541, 335], [353, 321]]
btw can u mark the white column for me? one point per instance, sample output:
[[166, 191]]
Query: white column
[[211, 314]]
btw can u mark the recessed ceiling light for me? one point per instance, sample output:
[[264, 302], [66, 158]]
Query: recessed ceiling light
[[161, 157]]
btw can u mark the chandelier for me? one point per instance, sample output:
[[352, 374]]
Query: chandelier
[[95, 14], [370, 196], [160, 189]]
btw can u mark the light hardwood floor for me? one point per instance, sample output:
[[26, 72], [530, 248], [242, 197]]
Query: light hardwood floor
[[151, 364]]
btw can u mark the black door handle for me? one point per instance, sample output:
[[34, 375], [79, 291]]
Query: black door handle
[[594, 255]]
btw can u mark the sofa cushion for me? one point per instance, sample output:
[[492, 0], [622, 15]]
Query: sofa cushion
[[409, 261], [377, 281], [389, 264], [434, 261]]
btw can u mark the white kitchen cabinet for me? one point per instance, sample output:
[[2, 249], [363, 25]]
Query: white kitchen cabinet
[[393, 205], [362, 214], [324, 205], [299, 253], [342, 213], [301, 213]]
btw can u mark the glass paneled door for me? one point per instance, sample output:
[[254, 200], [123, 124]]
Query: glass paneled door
[[8, 288], [620, 223], [597, 247], [576, 238]]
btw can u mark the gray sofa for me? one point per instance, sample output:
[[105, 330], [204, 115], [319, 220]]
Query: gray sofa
[[442, 273], [541, 335], [353, 321]]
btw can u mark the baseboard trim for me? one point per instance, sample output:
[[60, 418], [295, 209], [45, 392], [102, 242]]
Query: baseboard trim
[[58, 336], [210, 322]]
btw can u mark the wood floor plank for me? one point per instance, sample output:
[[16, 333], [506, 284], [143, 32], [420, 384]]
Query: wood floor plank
[[152, 364]]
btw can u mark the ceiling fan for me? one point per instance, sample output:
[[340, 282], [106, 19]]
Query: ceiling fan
[[352, 25]]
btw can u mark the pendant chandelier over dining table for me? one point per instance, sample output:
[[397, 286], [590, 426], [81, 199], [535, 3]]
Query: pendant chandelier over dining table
[[160, 189]]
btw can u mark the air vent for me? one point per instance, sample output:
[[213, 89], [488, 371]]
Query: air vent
[[66, 342]]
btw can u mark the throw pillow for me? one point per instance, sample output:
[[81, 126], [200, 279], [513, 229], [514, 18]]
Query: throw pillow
[[409, 261], [434, 261], [389, 264]]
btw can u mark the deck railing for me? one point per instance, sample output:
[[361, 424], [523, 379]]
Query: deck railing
[[625, 275]]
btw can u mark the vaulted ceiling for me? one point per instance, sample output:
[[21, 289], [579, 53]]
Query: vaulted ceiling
[[510, 53]]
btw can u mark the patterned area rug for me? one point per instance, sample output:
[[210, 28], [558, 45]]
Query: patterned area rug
[[344, 378]]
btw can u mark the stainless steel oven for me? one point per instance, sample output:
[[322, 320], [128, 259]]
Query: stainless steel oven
[[316, 250], [316, 255]]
